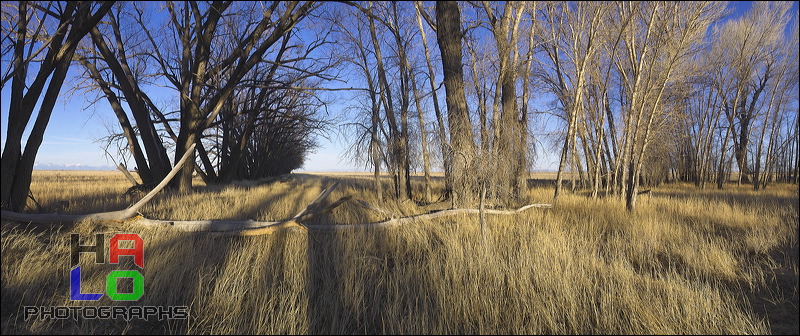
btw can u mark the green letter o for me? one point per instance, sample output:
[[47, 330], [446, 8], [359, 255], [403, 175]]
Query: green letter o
[[138, 285]]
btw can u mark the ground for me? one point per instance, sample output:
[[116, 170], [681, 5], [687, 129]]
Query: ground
[[686, 261]]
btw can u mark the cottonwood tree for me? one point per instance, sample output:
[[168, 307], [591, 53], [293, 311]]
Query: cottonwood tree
[[38, 42], [449, 36], [741, 92], [441, 129], [748, 47], [655, 42], [401, 26], [499, 40], [204, 52], [384, 37], [265, 129], [190, 64], [504, 26], [698, 128], [599, 122], [771, 120], [570, 41], [387, 46], [119, 67], [354, 51], [365, 29], [395, 106], [784, 163]]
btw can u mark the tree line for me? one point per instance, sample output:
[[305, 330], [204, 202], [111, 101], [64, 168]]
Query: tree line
[[637, 92]]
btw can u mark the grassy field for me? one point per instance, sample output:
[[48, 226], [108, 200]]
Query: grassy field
[[685, 262]]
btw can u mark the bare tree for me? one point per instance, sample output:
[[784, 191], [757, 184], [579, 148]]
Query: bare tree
[[189, 65], [442, 133], [449, 36], [426, 163], [649, 67], [570, 41], [506, 147], [116, 66], [205, 52], [51, 31], [748, 48]]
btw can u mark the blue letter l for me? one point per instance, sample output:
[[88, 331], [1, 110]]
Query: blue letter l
[[75, 287]]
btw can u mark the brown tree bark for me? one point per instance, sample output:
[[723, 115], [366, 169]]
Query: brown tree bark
[[426, 163], [157, 164], [448, 18], [443, 141]]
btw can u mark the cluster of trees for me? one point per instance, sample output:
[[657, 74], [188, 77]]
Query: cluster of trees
[[240, 77], [641, 91], [742, 105], [239, 72]]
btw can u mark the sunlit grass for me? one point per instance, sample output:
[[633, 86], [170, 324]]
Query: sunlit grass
[[686, 261]]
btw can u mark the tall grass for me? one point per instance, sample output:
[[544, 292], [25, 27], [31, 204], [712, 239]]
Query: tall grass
[[686, 261]]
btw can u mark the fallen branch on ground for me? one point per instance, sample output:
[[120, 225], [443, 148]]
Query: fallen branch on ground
[[237, 227], [255, 228], [394, 222], [245, 227]]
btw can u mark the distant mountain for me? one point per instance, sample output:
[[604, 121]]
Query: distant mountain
[[55, 166]]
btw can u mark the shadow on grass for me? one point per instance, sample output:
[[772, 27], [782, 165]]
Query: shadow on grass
[[358, 282], [776, 300], [361, 282], [175, 268]]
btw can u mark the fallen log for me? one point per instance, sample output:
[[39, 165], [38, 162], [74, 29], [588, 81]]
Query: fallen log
[[218, 226], [236, 227], [255, 228], [129, 216], [395, 222]]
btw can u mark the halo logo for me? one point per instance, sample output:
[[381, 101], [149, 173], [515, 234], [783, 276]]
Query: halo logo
[[114, 252], [88, 312]]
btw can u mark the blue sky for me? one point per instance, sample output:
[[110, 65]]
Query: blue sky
[[73, 135]]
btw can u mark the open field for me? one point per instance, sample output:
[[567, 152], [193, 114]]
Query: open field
[[685, 262]]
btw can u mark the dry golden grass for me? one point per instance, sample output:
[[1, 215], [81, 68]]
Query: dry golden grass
[[686, 261]]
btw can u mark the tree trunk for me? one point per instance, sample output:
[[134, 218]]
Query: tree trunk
[[633, 188], [394, 141], [426, 164], [187, 137], [448, 18], [157, 165], [721, 166], [17, 166], [443, 142], [124, 122], [24, 167], [565, 150]]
